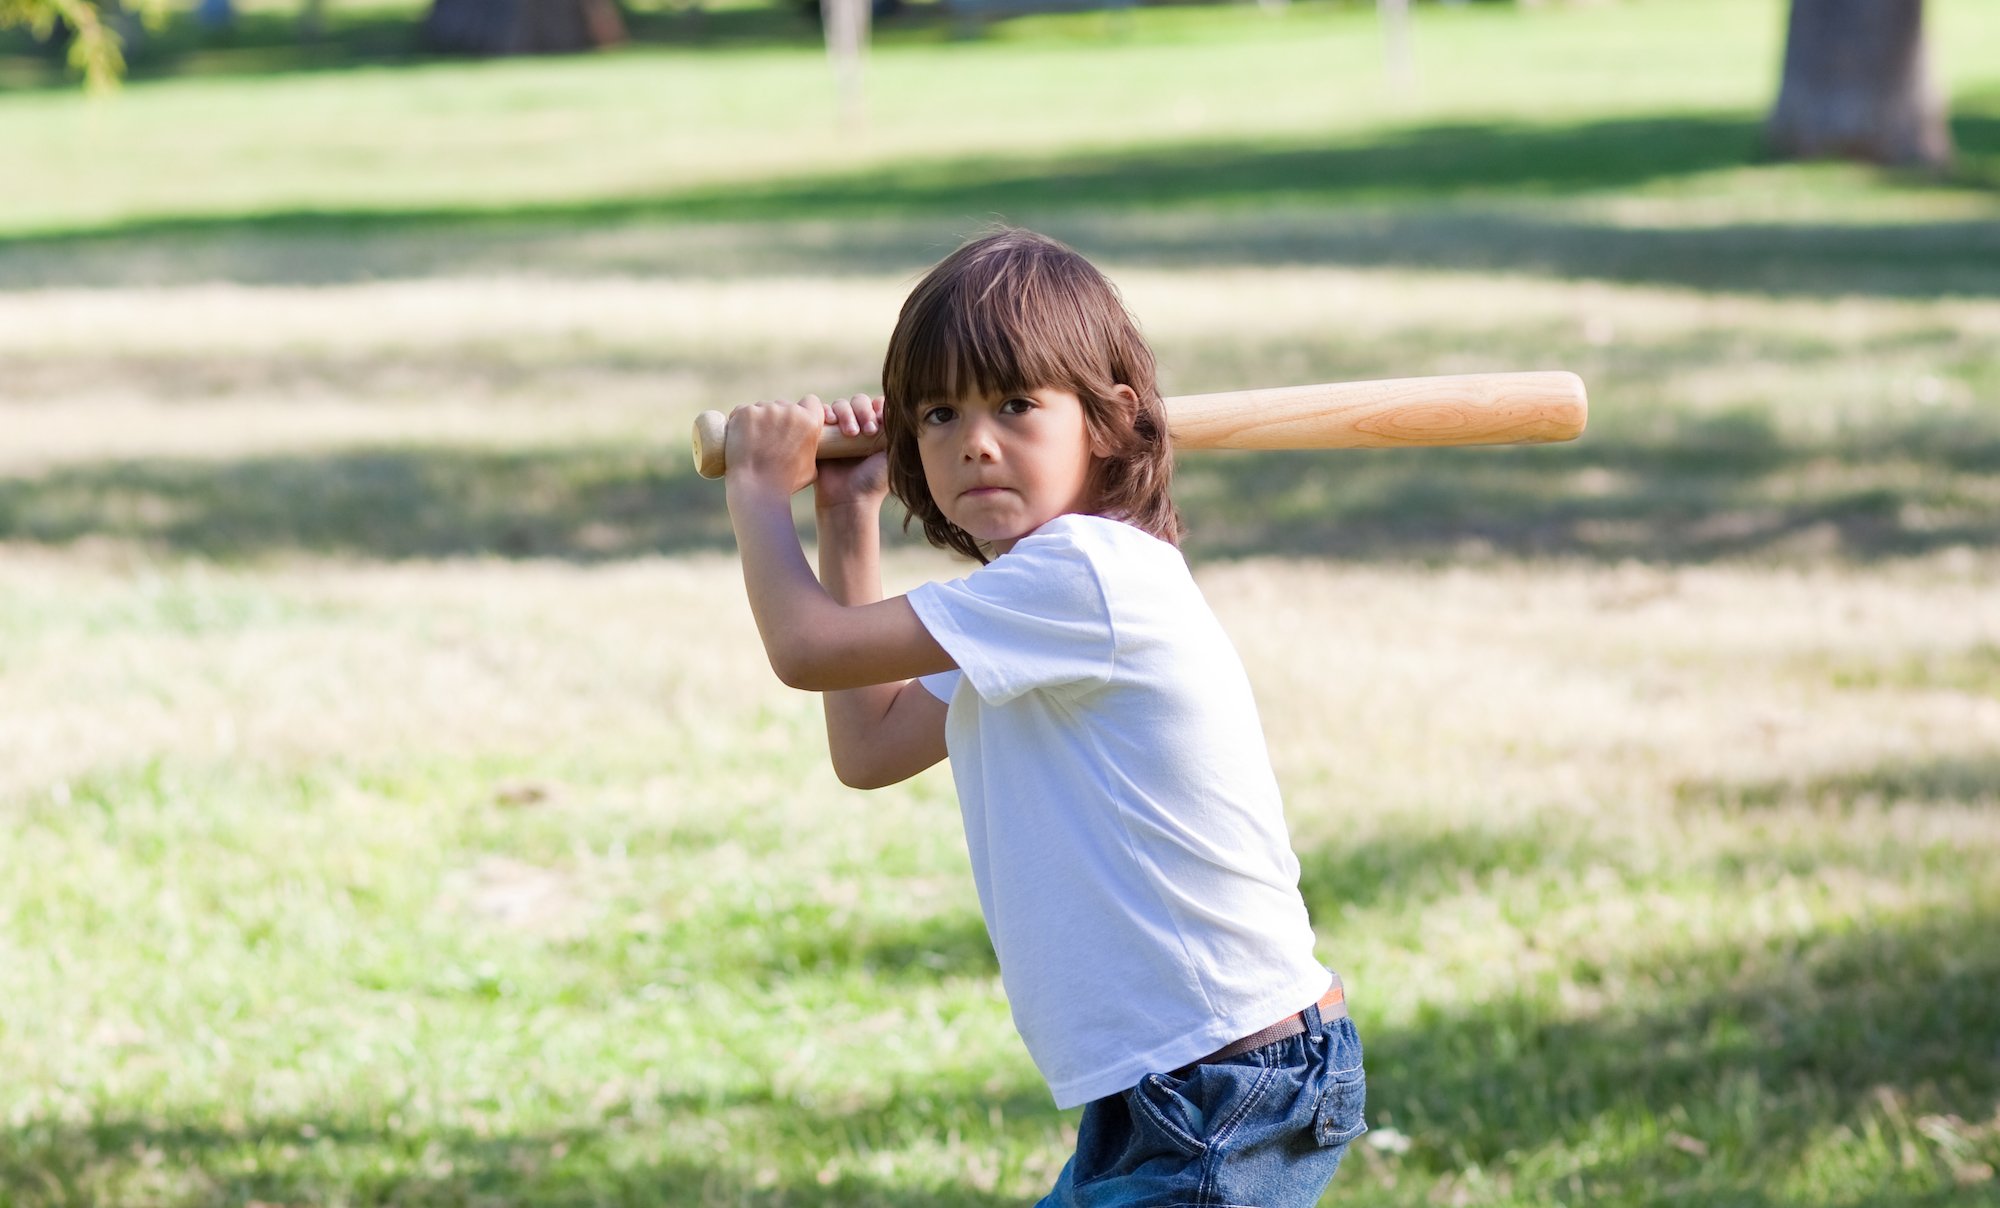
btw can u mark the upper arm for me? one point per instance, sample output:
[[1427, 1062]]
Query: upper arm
[[908, 738], [852, 646]]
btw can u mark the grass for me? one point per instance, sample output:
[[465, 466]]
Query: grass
[[694, 124], [401, 811]]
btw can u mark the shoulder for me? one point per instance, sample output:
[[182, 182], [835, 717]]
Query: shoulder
[[1132, 571], [1126, 558], [1059, 568], [1082, 559], [1088, 536]]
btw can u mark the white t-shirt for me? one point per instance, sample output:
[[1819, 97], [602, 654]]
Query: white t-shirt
[[1127, 838]]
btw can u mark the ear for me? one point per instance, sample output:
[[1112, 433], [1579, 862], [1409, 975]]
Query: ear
[[1131, 399]]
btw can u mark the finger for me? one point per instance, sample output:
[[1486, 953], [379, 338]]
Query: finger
[[841, 411], [867, 415]]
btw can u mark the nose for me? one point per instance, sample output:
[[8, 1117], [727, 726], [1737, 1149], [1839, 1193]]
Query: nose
[[976, 438]]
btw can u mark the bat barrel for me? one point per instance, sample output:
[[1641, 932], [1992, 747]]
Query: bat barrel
[[1462, 409]]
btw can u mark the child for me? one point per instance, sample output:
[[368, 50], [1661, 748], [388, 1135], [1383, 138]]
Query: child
[[1128, 843]]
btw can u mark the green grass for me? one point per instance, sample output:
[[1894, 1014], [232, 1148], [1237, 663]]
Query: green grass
[[593, 954], [687, 126], [396, 803]]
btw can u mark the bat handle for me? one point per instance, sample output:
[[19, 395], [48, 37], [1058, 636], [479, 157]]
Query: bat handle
[[710, 445]]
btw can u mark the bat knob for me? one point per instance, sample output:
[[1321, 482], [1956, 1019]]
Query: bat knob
[[710, 444]]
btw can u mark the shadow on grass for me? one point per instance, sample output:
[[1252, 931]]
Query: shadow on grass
[[1961, 779], [301, 1161], [585, 505], [1449, 196], [1406, 868], [1715, 487], [1719, 487], [1698, 1073], [801, 941], [1758, 1055], [1696, 489], [1705, 1075]]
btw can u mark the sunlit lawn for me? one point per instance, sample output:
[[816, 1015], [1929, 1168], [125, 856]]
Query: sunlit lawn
[[396, 807], [1655, 99]]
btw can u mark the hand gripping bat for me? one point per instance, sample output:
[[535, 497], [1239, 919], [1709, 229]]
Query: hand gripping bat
[[1462, 409]]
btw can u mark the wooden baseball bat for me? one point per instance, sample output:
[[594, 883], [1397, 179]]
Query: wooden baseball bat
[[1461, 409]]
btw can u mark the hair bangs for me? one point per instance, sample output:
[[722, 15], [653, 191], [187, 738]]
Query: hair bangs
[[999, 337]]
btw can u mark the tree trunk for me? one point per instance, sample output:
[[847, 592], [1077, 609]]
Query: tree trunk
[[512, 27], [846, 25], [1858, 85], [312, 21], [1394, 16]]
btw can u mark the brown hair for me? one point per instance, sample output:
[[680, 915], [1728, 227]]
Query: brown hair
[[1013, 311]]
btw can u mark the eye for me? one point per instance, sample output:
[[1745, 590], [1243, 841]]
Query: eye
[[1018, 405], [938, 415]]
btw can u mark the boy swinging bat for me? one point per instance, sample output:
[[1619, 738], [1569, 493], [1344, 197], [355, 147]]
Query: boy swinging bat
[[1126, 832]]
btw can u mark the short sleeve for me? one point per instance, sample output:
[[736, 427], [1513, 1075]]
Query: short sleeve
[[1034, 618], [942, 685]]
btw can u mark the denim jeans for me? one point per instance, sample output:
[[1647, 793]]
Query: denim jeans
[[1263, 1129]]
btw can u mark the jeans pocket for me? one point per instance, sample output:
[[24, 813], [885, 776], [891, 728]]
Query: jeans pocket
[[1176, 1119], [1338, 1118]]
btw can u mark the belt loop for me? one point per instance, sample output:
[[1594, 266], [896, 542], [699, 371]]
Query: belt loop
[[1315, 1021], [1310, 1017]]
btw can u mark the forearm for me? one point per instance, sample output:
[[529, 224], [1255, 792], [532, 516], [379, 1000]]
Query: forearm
[[850, 569], [850, 552], [785, 598], [814, 641]]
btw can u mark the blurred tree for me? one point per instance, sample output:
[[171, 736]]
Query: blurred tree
[[96, 47], [508, 27], [1858, 85]]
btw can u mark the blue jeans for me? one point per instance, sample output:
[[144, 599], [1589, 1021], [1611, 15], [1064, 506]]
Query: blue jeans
[[1263, 1129]]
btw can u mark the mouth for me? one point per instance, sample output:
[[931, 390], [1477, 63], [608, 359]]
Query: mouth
[[980, 492]]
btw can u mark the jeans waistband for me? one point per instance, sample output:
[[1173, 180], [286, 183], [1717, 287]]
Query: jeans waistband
[[1332, 1005]]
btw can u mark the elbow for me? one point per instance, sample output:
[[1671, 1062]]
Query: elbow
[[856, 774], [806, 678], [801, 665], [788, 674], [793, 667], [856, 777]]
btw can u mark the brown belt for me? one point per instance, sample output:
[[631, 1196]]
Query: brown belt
[[1333, 1005]]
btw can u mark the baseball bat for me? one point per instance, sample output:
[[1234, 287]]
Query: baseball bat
[[1460, 409]]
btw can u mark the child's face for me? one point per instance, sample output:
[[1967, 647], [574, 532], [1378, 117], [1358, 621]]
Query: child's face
[[1001, 466]]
